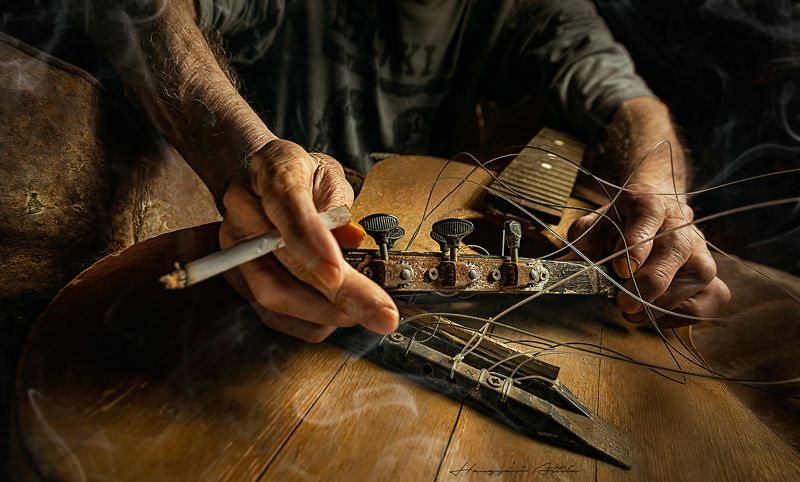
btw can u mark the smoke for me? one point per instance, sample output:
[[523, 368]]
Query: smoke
[[729, 71]]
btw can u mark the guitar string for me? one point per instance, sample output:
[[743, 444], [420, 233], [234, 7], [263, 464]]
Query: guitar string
[[624, 187], [705, 190], [625, 250], [670, 348], [705, 218], [651, 318], [585, 352]]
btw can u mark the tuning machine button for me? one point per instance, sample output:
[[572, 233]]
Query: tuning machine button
[[393, 236], [452, 231], [442, 243], [381, 227], [513, 235]]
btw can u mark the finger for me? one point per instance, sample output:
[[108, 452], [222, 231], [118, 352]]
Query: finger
[[644, 214], [704, 304], [692, 278], [330, 187], [670, 252], [305, 330], [595, 237], [358, 297], [277, 290], [244, 216], [310, 332], [282, 176]]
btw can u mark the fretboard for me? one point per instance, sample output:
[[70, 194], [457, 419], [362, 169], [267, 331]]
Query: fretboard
[[538, 179]]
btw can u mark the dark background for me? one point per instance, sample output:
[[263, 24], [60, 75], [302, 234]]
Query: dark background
[[729, 70]]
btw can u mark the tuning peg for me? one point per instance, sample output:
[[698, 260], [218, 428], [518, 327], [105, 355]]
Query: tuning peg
[[393, 236], [513, 235], [380, 227], [442, 243], [452, 230]]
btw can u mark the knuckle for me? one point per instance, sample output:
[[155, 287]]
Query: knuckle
[[720, 291], [703, 266], [233, 196], [653, 282], [707, 272], [692, 307], [273, 300], [639, 235]]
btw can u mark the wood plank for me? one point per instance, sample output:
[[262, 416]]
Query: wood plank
[[770, 351], [111, 388], [370, 424], [697, 431], [490, 445], [400, 186]]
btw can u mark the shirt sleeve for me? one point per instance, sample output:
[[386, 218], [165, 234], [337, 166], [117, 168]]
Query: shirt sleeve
[[564, 51], [248, 26]]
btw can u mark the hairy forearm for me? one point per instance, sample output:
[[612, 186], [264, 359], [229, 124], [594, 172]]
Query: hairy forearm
[[634, 133], [172, 73]]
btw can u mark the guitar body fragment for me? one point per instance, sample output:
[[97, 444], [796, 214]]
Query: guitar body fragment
[[123, 380]]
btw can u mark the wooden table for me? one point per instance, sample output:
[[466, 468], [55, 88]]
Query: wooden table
[[122, 380]]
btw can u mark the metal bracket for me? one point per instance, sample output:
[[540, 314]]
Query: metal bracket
[[539, 406], [411, 272]]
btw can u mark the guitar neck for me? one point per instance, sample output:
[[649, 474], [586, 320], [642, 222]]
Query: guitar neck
[[538, 178]]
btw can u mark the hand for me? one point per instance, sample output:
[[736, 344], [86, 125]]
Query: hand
[[675, 271], [306, 290]]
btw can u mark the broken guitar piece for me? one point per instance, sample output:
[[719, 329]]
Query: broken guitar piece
[[467, 364], [450, 270]]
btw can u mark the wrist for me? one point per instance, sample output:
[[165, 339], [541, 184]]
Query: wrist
[[643, 141]]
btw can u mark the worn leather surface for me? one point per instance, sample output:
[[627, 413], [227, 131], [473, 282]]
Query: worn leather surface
[[81, 175]]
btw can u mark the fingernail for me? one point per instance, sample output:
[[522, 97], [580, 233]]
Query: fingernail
[[384, 320], [621, 267]]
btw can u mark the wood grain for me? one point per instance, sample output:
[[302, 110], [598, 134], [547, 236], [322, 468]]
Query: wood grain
[[121, 380]]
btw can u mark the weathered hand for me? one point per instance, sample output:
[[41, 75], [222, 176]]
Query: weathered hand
[[306, 290], [675, 271]]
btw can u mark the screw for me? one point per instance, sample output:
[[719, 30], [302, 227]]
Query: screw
[[496, 275], [433, 274], [405, 274], [473, 274], [396, 337], [534, 275], [368, 272], [494, 381]]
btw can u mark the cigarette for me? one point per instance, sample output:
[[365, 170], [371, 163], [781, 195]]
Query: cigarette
[[240, 253]]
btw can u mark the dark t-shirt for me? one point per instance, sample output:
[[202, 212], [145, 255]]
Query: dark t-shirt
[[353, 77]]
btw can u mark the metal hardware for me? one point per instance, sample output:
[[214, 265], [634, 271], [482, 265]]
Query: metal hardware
[[536, 406], [442, 243], [452, 230], [513, 236], [393, 236], [380, 227], [527, 276]]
